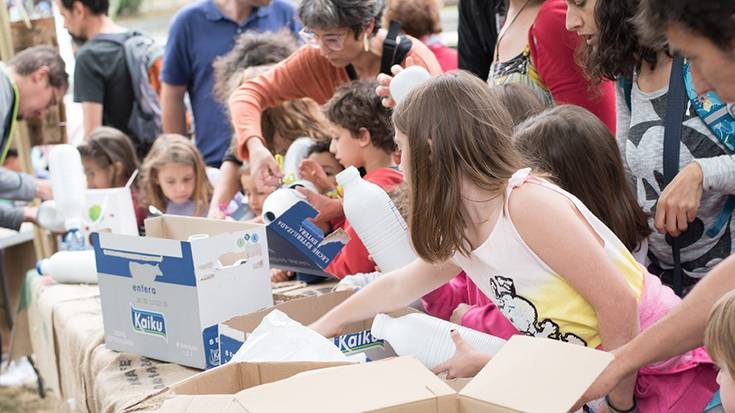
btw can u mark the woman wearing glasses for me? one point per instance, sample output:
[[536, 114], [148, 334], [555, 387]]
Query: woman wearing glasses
[[344, 42]]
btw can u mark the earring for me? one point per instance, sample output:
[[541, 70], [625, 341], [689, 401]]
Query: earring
[[365, 43]]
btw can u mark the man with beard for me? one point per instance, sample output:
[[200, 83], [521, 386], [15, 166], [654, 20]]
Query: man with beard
[[30, 83]]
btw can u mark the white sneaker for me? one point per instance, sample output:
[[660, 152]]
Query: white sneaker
[[17, 373]]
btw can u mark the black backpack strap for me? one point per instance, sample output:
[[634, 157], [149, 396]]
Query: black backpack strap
[[351, 72], [676, 105], [389, 47], [404, 46]]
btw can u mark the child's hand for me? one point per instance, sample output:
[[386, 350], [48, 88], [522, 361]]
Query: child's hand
[[310, 170], [384, 80], [278, 275], [459, 312], [466, 361], [329, 209]]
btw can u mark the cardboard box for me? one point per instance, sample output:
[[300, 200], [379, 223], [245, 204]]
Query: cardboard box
[[233, 332], [163, 296], [528, 375], [296, 244], [220, 384]]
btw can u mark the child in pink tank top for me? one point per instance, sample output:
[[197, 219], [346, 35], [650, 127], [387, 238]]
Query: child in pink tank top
[[551, 267]]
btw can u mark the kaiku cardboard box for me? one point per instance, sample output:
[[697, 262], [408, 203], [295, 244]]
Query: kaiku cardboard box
[[529, 375], [164, 295], [296, 244], [233, 332]]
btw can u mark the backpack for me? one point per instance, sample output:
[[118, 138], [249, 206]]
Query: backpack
[[143, 58]]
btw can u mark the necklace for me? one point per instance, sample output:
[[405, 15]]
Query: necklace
[[505, 30]]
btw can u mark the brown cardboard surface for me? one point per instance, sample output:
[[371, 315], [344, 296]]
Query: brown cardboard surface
[[398, 384], [216, 388], [528, 375], [555, 373], [234, 377]]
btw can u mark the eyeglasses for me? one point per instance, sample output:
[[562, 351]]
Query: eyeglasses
[[333, 42]]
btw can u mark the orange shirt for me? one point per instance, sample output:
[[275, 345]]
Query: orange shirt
[[305, 74]]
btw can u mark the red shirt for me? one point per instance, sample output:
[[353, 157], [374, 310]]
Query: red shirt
[[353, 258], [553, 53], [446, 56]]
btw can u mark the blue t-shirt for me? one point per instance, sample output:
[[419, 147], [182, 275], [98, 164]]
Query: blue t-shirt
[[199, 34]]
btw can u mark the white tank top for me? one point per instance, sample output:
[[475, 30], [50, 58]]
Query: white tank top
[[536, 300]]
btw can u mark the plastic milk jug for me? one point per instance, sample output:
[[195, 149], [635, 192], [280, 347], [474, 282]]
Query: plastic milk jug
[[428, 338], [407, 80], [282, 199], [296, 153], [69, 184], [376, 221], [70, 267]]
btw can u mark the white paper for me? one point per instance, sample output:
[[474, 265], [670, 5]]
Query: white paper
[[279, 338]]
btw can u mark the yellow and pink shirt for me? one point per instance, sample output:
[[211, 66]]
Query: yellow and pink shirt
[[537, 300]]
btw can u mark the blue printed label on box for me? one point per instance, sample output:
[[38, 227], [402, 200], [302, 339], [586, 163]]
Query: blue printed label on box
[[357, 342], [296, 244], [148, 322]]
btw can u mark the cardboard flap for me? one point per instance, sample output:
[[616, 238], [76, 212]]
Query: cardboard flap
[[181, 228], [393, 383], [304, 310], [537, 375], [197, 404], [234, 377]]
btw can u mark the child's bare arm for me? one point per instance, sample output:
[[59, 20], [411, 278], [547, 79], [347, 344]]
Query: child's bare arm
[[390, 292]]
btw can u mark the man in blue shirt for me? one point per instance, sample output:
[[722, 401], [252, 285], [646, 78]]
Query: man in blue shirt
[[199, 34]]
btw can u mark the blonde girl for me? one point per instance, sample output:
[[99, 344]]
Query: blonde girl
[[174, 177]]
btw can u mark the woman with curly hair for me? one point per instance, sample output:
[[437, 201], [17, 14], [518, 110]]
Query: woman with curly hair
[[693, 206], [535, 49]]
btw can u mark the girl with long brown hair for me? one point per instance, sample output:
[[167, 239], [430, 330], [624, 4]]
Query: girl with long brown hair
[[552, 267]]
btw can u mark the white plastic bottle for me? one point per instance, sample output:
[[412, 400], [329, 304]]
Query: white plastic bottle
[[296, 153], [406, 81], [282, 199], [428, 338], [376, 221], [69, 184], [70, 267]]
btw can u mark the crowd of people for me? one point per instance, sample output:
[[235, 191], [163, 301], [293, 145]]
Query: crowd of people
[[573, 180]]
